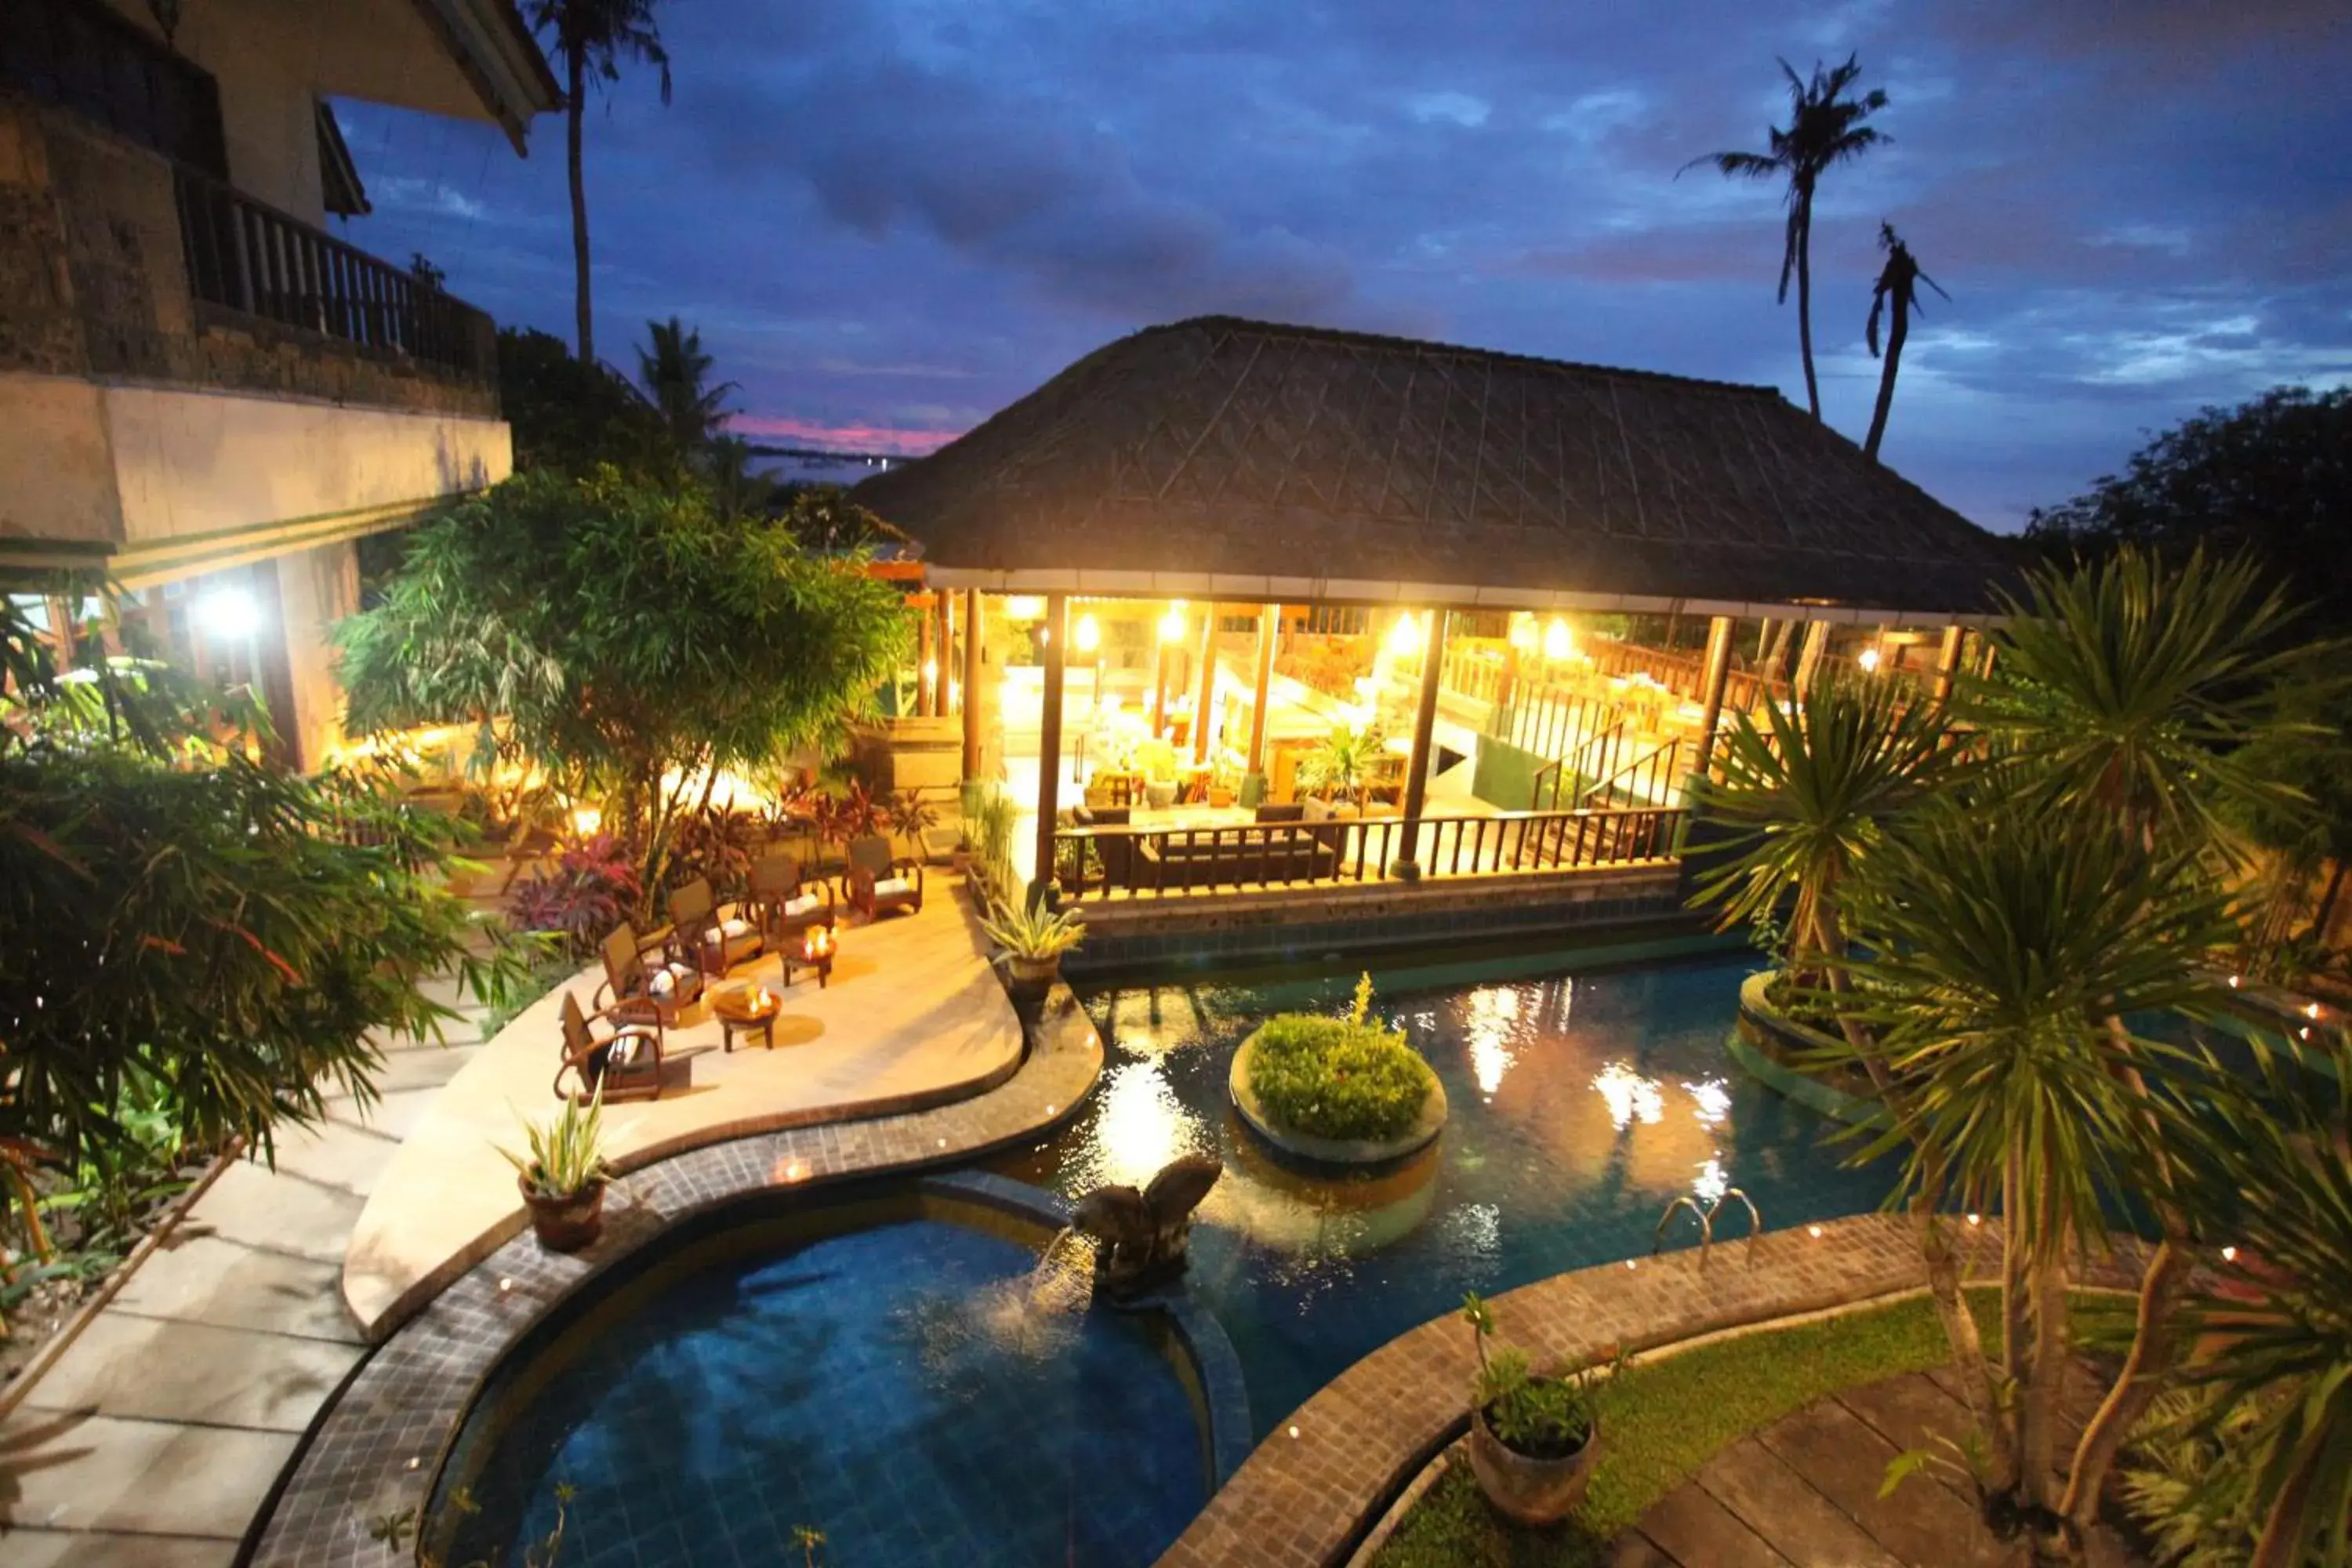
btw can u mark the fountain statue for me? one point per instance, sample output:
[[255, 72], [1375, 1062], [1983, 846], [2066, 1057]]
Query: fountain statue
[[1139, 1238]]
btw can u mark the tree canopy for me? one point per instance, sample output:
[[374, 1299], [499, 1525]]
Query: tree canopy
[[623, 637], [573, 415], [2272, 477]]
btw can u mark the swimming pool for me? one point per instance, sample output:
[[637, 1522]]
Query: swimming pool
[[1583, 1100], [885, 1372]]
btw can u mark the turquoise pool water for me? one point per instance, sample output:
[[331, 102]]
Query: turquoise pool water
[[1583, 1100], [904, 1388]]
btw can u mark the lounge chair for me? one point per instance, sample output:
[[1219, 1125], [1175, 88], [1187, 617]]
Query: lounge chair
[[880, 883], [626, 1062], [784, 905], [656, 992], [706, 935]]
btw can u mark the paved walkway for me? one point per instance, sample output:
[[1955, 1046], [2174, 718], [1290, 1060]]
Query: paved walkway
[[1805, 1491], [153, 1440], [912, 1017]]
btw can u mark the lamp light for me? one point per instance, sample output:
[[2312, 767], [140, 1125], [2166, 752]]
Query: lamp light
[[1404, 637], [1171, 624], [1557, 643], [1868, 659], [817, 944], [1086, 636], [229, 612], [1025, 606], [1523, 633], [930, 671]]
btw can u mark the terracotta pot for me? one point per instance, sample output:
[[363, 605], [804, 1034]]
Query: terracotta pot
[[1220, 796], [566, 1224], [1529, 1491], [1033, 971]]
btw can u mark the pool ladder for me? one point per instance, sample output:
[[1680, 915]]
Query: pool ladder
[[1706, 1217]]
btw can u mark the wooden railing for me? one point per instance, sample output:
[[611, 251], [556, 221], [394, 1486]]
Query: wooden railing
[[1553, 721], [1474, 671], [249, 257], [1649, 779], [1684, 674], [1175, 862]]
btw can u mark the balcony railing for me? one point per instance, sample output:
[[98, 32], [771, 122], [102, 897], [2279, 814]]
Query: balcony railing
[[249, 257], [1174, 862]]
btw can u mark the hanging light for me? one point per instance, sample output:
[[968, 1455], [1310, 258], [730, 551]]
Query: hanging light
[[1868, 659], [1523, 633], [1171, 624], [1025, 606], [1556, 642], [1404, 637], [229, 612], [1086, 636]]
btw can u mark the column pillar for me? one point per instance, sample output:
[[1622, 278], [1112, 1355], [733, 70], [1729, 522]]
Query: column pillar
[[1717, 676], [1817, 638], [1425, 727], [1253, 782], [1948, 664], [971, 687], [1204, 682], [927, 671], [944, 641], [1049, 742]]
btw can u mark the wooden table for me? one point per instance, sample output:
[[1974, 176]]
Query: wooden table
[[747, 1007]]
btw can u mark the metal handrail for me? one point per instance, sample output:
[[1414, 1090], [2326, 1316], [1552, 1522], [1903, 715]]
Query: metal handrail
[[1705, 1217]]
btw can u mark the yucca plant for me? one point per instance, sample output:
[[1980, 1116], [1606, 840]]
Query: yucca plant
[[565, 1156], [1026, 930]]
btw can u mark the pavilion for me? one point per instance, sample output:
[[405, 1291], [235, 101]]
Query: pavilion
[[1257, 527]]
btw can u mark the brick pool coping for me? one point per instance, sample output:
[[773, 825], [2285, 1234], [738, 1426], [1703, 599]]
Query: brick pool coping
[[1309, 1492], [378, 1446]]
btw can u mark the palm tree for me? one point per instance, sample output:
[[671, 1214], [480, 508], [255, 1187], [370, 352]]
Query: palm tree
[[1825, 129], [2000, 957], [1898, 287], [593, 37], [675, 373]]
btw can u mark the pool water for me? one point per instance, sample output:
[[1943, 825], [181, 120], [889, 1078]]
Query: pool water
[[1581, 1102], [906, 1389]]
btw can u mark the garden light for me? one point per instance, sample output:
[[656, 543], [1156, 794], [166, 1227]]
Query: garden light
[[1171, 624], [1087, 635], [1869, 660], [1557, 643], [1814, 1231], [586, 819], [229, 612], [1025, 606], [1404, 637], [2229, 1254]]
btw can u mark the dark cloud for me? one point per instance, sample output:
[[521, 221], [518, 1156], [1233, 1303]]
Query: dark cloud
[[891, 219]]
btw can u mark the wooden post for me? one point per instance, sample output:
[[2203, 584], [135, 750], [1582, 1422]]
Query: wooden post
[[1817, 638], [1164, 652], [1268, 616], [1204, 682], [971, 687], [943, 640], [1049, 742], [1948, 664], [926, 666], [1718, 675], [1425, 727]]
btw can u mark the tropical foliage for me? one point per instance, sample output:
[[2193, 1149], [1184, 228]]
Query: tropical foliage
[[563, 1157], [623, 639], [677, 374], [1896, 296], [1344, 761], [575, 416], [1545, 1417], [1825, 129], [1031, 930], [592, 887]]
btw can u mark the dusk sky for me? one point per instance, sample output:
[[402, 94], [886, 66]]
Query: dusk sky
[[890, 219]]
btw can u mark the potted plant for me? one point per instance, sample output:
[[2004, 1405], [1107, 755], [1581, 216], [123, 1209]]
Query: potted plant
[[1345, 760], [1224, 777], [563, 1175], [1532, 1439], [1034, 937]]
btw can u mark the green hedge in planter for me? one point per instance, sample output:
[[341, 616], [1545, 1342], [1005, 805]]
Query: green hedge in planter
[[1350, 1077]]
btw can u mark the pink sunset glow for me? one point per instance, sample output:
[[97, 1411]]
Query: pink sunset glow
[[846, 437]]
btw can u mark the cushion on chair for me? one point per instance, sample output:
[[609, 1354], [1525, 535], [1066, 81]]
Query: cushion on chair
[[794, 908], [892, 887], [729, 930]]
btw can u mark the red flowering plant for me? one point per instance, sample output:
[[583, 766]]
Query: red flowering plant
[[592, 887]]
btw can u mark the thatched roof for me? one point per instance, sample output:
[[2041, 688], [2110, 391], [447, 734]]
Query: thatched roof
[[1237, 459]]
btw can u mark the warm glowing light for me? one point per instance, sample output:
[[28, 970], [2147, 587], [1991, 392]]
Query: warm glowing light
[[795, 1170], [1294, 1431], [2233, 981], [1556, 642], [817, 944], [930, 671], [1814, 1231], [1976, 1219], [2312, 1012], [1025, 606], [505, 1283], [586, 819], [1087, 635], [1630, 1096], [1523, 633], [229, 612], [1868, 659], [1404, 637], [2229, 1254], [1171, 624], [1493, 1013], [1631, 1264]]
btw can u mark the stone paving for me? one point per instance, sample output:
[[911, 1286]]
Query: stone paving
[[154, 1438], [1304, 1498], [378, 1449]]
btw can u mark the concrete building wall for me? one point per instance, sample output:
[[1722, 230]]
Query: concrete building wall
[[316, 588]]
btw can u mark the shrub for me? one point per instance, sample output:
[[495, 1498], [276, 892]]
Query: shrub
[[591, 889], [1338, 1077]]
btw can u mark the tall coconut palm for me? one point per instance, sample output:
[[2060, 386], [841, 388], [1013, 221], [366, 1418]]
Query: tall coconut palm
[[1895, 295], [1999, 953], [1825, 129], [590, 38], [677, 374]]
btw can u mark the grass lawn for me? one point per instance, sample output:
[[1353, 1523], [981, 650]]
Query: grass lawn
[[1662, 1421]]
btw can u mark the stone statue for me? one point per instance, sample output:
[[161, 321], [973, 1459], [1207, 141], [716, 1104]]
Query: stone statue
[[1139, 1238]]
